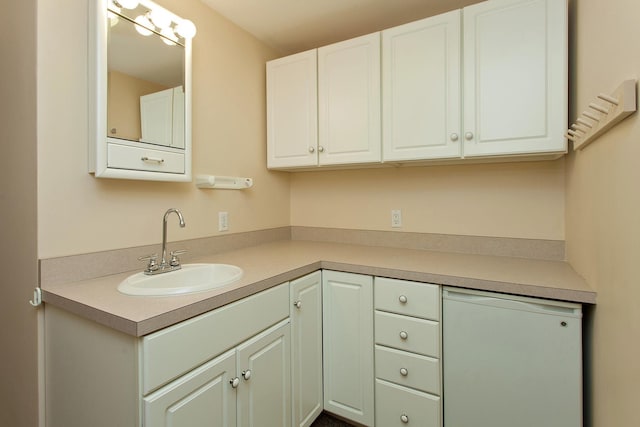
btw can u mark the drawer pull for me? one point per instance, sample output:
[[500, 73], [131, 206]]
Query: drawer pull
[[402, 299], [297, 304], [152, 159], [404, 418], [246, 374], [235, 382], [404, 372], [404, 335]]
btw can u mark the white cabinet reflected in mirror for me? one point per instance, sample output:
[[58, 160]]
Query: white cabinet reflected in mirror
[[140, 94]]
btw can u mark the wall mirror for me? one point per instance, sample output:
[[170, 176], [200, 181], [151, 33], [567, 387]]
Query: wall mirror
[[140, 91]]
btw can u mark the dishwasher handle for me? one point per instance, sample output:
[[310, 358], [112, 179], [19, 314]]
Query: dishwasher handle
[[513, 302]]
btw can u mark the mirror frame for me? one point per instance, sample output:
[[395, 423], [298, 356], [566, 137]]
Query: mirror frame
[[99, 142]]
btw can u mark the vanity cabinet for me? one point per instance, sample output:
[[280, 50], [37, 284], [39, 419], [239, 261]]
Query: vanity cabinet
[[408, 381], [247, 386], [323, 106], [348, 346], [306, 348], [232, 363]]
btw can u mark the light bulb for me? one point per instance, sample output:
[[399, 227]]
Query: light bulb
[[168, 36], [143, 25], [186, 29], [112, 12], [128, 4], [160, 18]]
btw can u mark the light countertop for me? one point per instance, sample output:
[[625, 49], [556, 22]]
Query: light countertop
[[274, 263]]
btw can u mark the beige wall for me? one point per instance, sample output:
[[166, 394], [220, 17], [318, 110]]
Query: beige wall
[[78, 213], [603, 207], [524, 200], [18, 249]]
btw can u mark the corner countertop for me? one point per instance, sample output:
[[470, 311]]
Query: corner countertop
[[271, 264]]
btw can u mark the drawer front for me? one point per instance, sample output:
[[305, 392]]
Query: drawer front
[[408, 333], [175, 350], [132, 158], [408, 298], [408, 369], [398, 406]]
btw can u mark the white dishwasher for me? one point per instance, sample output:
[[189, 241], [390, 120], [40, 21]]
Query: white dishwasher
[[510, 361]]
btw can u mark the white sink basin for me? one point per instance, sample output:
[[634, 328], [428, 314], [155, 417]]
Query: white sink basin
[[189, 279]]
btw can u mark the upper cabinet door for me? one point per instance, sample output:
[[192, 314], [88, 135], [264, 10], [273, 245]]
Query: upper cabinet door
[[349, 101], [421, 89], [292, 111], [515, 77]]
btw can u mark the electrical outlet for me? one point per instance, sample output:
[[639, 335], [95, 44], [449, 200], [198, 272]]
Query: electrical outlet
[[223, 221], [396, 218]]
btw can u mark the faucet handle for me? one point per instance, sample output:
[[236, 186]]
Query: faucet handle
[[153, 262], [175, 261]]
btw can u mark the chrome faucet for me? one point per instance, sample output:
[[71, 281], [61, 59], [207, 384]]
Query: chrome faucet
[[173, 263]]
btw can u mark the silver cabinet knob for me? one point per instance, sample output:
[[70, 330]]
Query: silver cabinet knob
[[454, 137], [404, 418], [297, 304], [235, 382], [246, 374], [404, 372], [312, 149], [320, 148], [404, 335], [468, 136], [402, 299]]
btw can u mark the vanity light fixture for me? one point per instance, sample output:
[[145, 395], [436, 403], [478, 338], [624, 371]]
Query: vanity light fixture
[[126, 4], [155, 20]]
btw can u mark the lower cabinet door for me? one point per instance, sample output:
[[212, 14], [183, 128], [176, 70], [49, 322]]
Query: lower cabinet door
[[398, 406], [264, 368], [202, 397], [306, 348], [348, 346]]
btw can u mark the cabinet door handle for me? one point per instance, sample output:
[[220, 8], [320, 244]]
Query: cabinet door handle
[[312, 149], [321, 148], [404, 372], [402, 299], [235, 382], [468, 136], [297, 304], [404, 335], [454, 137], [246, 374], [404, 418]]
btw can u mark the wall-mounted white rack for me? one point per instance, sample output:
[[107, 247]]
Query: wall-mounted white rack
[[223, 182], [603, 114]]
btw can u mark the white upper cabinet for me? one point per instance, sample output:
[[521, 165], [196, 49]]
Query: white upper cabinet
[[292, 111], [349, 101], [421, 89], [486, 81], [515, 77]]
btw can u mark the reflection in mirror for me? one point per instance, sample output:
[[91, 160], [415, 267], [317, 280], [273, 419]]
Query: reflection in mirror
[[145, 98]]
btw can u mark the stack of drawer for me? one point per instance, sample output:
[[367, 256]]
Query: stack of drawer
[[407, 353]]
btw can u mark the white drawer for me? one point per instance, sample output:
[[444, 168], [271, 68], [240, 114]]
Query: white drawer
[[132, 158], [175, 350], [408, 369], [394, 402], [409, 298], [408, 333]]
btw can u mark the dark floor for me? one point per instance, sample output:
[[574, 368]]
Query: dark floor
[[326, 420]]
